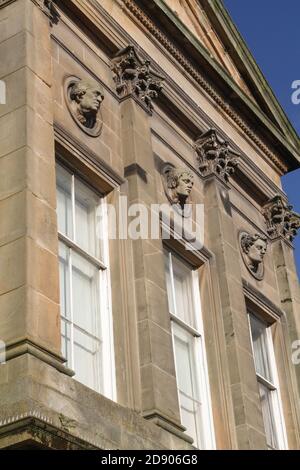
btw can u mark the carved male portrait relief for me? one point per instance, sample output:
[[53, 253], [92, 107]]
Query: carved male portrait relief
[[84, 98], [178, 184], [253, 249]]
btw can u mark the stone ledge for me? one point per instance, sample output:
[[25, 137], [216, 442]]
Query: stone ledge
[[43, 406]]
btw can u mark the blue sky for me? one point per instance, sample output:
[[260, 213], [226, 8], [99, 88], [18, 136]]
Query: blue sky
[[272, 33]]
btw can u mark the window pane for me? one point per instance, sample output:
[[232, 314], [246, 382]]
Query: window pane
[[169, 283], [64, 280], [268, 416], [184, 360], [86, 296], [86, 204], [183, 284], [87, 355], [66, 341], [189, 396], [82, 326], [64, 201], [260, 348]]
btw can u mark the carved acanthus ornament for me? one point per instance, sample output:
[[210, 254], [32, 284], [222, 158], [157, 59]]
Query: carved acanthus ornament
[[281, 220], [215, 156], [135, 77]]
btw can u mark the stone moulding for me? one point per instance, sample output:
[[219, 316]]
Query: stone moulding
[[214, 156], [280, 218], [48, 7], [43, 430], [134, 77], [260, 301], [197, 76], [3, 3]]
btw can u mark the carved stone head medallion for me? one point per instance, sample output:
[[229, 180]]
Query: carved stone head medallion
[[178, 184], [253, 249], [84, 98]]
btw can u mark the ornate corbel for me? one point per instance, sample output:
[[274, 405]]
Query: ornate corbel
[[280, 218], [134, 76], [214, 156], [50, 10]]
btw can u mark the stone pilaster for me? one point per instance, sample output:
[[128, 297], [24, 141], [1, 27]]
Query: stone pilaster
[[289, 294], [29, 286], [222, 240], [159, 400], [282, 225]]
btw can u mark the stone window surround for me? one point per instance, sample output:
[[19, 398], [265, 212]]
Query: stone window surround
[[203, 262], [99, 177], [274, 386], [109, 380], [273, 317], [197, 331]]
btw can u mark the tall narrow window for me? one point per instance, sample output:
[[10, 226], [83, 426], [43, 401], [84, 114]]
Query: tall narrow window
[[189, 351], [84, 288], [268, 383]]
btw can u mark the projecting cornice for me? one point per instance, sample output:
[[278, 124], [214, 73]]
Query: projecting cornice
[[193, 58], [170, 32]]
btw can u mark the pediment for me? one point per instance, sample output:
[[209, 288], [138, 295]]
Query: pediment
[[196, 20]]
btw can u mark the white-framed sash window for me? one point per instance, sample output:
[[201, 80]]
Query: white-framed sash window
[[189, 351], [86, 320], [268, 385]]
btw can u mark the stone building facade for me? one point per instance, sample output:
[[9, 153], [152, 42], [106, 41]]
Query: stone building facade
[[121, 343]]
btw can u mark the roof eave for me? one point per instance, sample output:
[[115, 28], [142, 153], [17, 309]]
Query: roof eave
[[289, 147]]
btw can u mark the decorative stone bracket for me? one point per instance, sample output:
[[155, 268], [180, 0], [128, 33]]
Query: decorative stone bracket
[[281, 220], [215, 156], [48, 7], [135, 77]]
